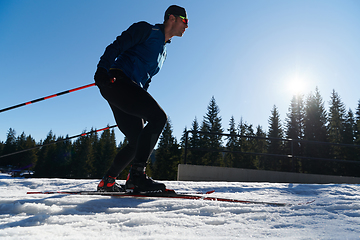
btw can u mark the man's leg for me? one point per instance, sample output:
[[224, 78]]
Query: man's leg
[[132, 100], [131, 127], [130, 104]]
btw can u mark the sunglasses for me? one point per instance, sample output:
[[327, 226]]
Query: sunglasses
[[183, 19]]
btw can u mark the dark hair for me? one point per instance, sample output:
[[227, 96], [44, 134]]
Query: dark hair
[[176, 11]]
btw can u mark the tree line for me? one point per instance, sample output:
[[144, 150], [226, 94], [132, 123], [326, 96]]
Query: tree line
[[317, 136], [307, 123]]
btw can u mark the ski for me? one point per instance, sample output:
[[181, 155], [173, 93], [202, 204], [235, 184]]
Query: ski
[[166, 194]]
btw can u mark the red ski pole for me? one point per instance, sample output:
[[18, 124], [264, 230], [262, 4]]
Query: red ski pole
[[44, 98]]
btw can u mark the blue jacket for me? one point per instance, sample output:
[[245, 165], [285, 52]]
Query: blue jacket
[[139, 52]]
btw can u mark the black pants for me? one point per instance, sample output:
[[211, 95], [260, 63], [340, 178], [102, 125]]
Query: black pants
[[132, 106]]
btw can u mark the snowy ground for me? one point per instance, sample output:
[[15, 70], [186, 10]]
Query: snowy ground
[[335, 214]]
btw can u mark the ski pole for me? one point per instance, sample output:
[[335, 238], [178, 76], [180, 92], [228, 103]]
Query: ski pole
[[68, 138], [44, 98]]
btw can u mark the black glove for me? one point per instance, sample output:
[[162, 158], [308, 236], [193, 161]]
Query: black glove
[[102, 77]]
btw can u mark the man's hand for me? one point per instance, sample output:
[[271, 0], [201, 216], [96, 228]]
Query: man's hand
[[102, 77]]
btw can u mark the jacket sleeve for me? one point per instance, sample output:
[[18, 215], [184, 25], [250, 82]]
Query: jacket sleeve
[[135, 34]]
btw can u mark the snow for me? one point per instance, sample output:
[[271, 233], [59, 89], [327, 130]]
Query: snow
[[335, 214]]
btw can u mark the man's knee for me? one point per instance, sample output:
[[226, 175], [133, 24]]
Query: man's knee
[[164, 118], [159, 120]]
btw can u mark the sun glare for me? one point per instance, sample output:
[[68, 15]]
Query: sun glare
[[296, 86]]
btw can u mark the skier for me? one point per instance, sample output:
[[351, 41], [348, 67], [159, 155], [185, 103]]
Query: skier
[[123, 75]]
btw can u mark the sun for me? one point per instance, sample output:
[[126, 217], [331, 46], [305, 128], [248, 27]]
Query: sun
[[296, 85]]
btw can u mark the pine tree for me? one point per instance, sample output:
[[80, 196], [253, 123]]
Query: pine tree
[[357, 129], [195, 141], [9, 147], [275, 146], [232, 145], [355, 152], [350, 153], [82, 162], [31, 154], [315, 118], [260, 147], [168, 155], [105, 151], [336, 128], [46, 156], [295, 130], [62, 159], [247, 145], [26, 160], [182, 139], [204, 143], [315, 129], [212, 124], [349, 134], [251, 143], [182, 143], [337, 114]]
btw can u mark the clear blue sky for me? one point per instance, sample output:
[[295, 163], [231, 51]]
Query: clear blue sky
[[246, 54]]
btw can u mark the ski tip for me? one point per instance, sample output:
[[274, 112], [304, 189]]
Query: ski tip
[[209, 192]]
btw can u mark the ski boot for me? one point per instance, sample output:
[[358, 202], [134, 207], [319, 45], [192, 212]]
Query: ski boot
[[108, 184], [138, 181]]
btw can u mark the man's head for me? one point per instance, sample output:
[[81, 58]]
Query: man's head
[[176, 11], [175, 21]]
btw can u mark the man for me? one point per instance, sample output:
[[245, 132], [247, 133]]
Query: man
[[123, 75]]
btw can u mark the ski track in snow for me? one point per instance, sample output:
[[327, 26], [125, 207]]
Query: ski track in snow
[[335, 214]]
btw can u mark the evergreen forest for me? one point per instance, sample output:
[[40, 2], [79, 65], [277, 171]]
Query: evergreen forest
[[311, 139]]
